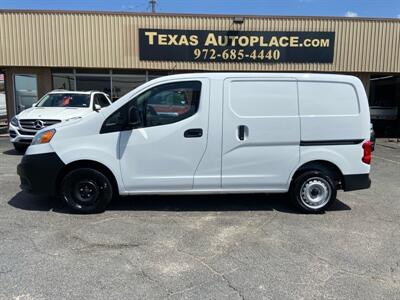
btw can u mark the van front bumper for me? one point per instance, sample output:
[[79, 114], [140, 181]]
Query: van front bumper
[[356, 182], [38, 173]]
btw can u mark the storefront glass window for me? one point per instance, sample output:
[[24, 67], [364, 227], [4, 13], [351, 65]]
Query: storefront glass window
[[25, 86], [122, 84], [116, 83], [3, 107], [97, 83], [65, 82]]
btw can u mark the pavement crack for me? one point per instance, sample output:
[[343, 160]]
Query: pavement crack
[[338, 270], [145, 275], [37, 249], [233, 287], [107, 246], [148, 277], [215, 272], [188, 289]]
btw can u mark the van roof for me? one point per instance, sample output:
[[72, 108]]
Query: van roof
[[298, 76], [326, 77]]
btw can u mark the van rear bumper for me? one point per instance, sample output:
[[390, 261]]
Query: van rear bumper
[[38, 173], [356, 182]]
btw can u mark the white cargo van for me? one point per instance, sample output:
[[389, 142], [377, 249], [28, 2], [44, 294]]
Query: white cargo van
[[307, 134]]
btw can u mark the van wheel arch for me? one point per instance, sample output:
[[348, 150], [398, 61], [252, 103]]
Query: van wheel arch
[[87, 164], [323, 166]]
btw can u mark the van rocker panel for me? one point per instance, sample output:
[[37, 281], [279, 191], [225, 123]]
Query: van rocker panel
[[38, 173]]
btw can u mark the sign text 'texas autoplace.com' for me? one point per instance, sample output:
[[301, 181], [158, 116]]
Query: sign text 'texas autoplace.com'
[[236, 46]]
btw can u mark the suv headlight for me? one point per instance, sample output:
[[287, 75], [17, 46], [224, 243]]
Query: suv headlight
[[14, 121], [43, 137]]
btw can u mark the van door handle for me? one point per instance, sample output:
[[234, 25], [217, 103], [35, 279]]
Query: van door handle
[[241, 132], [193, 133]]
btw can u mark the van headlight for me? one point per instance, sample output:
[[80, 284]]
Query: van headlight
[[43, 137], [14, 122]]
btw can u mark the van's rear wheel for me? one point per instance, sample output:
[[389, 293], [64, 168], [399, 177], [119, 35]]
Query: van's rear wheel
[[313, 191], [86, 190]]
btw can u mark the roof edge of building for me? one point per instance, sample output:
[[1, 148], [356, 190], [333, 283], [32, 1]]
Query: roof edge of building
[[33, 11]]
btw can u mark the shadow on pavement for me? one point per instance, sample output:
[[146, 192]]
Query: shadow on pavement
[[12, 152], [5, 144], [26, 201], [194, 203]]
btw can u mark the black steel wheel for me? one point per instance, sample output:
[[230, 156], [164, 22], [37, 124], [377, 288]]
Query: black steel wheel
[[86, 190]]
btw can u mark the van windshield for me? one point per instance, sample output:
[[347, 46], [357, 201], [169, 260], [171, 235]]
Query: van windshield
[[65, 100]]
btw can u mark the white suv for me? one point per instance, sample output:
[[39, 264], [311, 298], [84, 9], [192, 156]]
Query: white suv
[[52, 108]]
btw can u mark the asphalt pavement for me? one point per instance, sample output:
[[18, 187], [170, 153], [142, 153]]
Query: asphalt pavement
[[203, 247]]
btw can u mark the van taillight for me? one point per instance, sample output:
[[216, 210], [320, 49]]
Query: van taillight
[[367, 152]]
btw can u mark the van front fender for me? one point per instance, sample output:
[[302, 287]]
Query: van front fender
[[96, 155]]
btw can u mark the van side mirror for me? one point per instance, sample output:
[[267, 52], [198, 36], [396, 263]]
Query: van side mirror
[[134, 118], [35, 104], [97, 107]]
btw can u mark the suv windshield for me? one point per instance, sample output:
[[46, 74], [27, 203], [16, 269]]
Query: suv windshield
[[65, 100]]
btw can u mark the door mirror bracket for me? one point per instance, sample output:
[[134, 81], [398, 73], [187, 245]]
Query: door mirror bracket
[[97, 107]]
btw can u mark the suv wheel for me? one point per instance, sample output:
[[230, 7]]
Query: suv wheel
[[86, 190], [313, 191]]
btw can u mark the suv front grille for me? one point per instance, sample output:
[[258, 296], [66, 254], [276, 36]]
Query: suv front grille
[[25, 132], [36, 124]]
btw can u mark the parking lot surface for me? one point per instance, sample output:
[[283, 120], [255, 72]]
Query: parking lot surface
[[203, 247]]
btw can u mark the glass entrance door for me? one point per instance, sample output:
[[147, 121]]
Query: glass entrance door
[[25, 91], [3, 105]]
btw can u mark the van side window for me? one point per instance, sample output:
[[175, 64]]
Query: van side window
[[160, 105]]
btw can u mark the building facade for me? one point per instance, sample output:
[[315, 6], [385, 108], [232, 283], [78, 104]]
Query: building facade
[[115, 52]]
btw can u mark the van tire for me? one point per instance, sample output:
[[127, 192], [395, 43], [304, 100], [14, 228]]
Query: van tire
[[20, 148], [86, 190], [313, 191]]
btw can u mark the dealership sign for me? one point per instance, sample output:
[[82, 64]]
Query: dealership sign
[[236, 46]]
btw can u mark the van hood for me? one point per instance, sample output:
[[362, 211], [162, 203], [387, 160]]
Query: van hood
[[53, 113]]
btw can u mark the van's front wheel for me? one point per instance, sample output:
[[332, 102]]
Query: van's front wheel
[[86, 190], [313, 191]]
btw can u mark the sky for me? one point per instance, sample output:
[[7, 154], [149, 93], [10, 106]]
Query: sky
[[347, 8]]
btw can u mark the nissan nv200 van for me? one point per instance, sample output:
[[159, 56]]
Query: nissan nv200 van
[[306, 134]]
